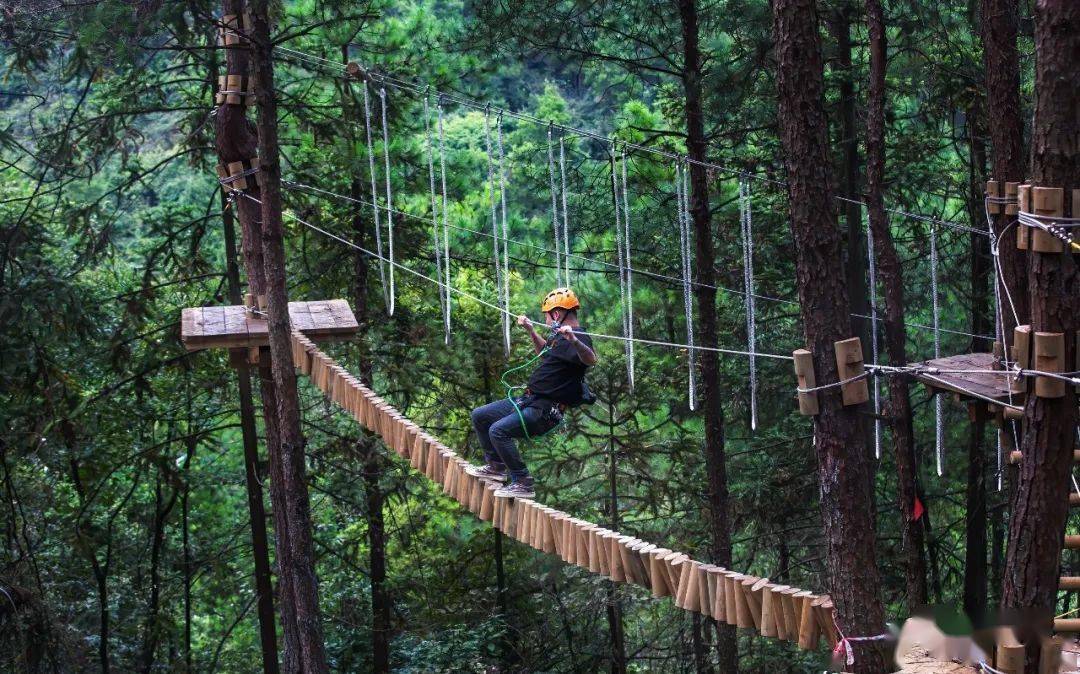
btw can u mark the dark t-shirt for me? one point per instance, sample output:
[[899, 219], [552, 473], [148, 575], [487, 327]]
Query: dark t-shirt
[[561, 372]]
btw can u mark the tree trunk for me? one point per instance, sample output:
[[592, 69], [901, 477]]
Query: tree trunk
[[1041, 505], [844, 464], [236, 140], [380, 599], [715, 461], [975, 580], [249, 437], [975, 583], [617, 639], [890, 273], [840, 26], [299, 569], [1000, 20]]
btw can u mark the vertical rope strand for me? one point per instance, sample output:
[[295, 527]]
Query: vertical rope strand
[[629, 278], [620, 249], [445, 226], [430, 147], [554, 205], [871, 265], [492, 202], [565, 218], [939, 428], [389, 200], [748, 289], [374, 193], [504, 292], [684, 250]]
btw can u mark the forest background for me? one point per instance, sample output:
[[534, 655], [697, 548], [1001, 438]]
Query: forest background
[[124, 517]]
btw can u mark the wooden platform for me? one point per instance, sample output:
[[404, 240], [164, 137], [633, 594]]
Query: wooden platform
[[992, 386], [233, 327]]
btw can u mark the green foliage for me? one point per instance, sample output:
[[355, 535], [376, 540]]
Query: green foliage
[[110, 224]]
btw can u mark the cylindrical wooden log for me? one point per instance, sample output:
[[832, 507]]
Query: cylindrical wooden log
[[487, 503], [731, 603], [657, 574], [701, 590], [809, 636], [768, 613], [1009, 652], [743, 617], [716, 579], [1049, 357], [752, 587], [778, 615]]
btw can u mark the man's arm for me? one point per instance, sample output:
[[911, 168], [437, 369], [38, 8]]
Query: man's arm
[[538, 342], [584, 352]]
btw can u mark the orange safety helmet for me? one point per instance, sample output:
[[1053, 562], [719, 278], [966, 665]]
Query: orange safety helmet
[[560, 298]]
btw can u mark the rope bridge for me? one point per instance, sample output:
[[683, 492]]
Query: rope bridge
[[777, 611]]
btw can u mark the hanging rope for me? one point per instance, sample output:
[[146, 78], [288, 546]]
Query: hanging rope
[[871, 265], [504, 292], [495, 238], [445, 282], [374, 195], [565, 219], [554, 206], [621, 248], [939, 428], [436, 244], [684, 249], [389, 200], [748, 292], [629, 278]]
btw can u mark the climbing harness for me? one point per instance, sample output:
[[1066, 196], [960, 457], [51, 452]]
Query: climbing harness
[[511, 388]]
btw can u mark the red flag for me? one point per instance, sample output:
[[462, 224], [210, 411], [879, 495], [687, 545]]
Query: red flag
[[918, 510]]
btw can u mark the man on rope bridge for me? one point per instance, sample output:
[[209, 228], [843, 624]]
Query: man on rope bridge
[[557, 383]]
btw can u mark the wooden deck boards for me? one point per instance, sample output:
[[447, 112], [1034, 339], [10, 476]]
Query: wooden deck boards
[[232, 327], [993, 386]]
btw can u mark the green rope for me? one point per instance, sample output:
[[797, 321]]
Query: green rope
[[510, 388]]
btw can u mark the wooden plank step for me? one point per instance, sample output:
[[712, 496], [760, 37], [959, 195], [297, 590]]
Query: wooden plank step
[[1067, 625], [1069, 583], [233, 327], [1074, 499], [1072, 542], [1015, 456]]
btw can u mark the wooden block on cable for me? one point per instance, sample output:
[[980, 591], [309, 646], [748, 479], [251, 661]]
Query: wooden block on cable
[[849, 364], [1047, 201], [1049, 357], [1011, 189], [1023, 203], [239, 175], [235, 90], [993, 191], [232, 327], [804, 373]]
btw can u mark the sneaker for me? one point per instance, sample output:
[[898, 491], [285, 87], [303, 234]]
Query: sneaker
[[487, 472], [522, 489]]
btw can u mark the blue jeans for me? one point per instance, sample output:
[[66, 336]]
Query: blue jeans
[[497, 425]]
